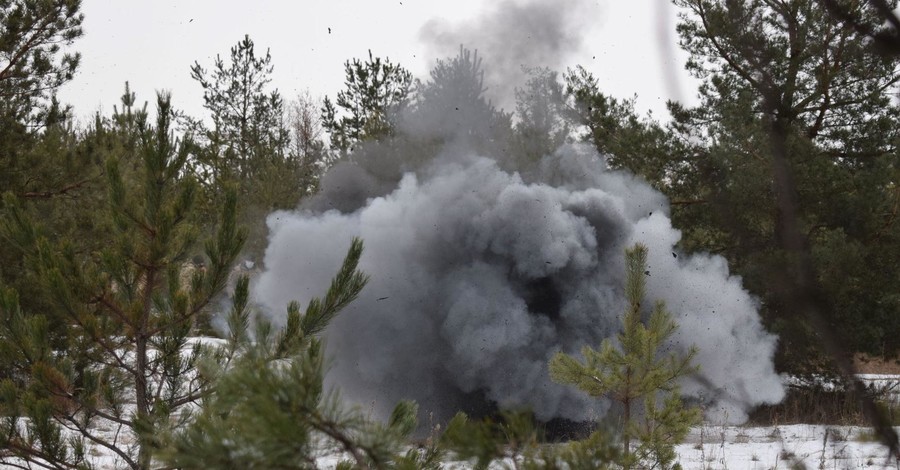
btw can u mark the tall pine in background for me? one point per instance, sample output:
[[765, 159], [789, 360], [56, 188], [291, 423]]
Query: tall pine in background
[[246, 118], [792, 97], [829, 94], [248, 142], [374, 91]]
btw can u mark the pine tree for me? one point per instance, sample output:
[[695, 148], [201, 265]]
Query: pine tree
[[271, 409], [374, 91], [514, 437], [127, 363], [247, 127], [628, 141], [798, 123], [635, 372], [32, 62], [34, 130], [248, 142], [541, 115], [451, 106], [796, 139]]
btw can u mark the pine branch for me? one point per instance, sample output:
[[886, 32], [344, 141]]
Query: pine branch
[[57, 192], [31, 42], [36, 457], [86, 432]]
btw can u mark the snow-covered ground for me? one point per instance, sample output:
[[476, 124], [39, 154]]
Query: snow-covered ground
[[710, 447], [707, 447], [760, 448]]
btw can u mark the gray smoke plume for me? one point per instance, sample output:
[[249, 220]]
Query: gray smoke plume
[[478, 277], [484, 264], [512, 35]]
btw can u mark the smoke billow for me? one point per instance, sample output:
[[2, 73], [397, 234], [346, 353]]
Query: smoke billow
[[482, 266], [479, 277], [512, 35]]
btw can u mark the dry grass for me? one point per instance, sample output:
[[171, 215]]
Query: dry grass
[[866, 364]]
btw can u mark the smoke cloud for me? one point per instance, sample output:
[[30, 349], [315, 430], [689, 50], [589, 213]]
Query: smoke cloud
[[512, 35], [485, 263], [479, 277]]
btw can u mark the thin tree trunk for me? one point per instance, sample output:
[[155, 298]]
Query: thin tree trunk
[[626, 435], [142, 401], [141, 398]]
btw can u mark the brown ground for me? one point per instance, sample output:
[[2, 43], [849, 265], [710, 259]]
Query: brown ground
[[876, 365]]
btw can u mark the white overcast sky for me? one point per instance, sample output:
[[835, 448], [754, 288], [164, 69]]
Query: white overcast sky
[[630, 45]]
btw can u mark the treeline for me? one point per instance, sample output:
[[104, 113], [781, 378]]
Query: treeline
[[119, 235]]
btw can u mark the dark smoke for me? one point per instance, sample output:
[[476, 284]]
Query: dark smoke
[[483, 267], [478, 278]]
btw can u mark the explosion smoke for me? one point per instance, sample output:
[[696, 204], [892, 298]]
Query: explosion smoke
[[515, 35], [482, 268], [478, 278]]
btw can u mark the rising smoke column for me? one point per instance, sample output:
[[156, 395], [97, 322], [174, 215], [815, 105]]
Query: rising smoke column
[[481, 269], [479, 277], [514, 35]]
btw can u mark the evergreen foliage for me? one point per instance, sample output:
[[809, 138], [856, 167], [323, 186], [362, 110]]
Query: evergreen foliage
[[513, 436], [37, 161], [247, 121], [542, 117], [451, 108], [827, 97], [270, 408], [32, 62], [513, 441], [374, 91], [248, 143], [65, 191], [635, 372], [806, 106], [627, 140], [829, 94], [127, 358], [457, 84], [98, 301]]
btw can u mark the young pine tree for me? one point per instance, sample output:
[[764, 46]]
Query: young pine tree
[[247, 143], [248, 132], [636, 373], [374, 89], [513, 438], [271, 409], [127, 363]]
